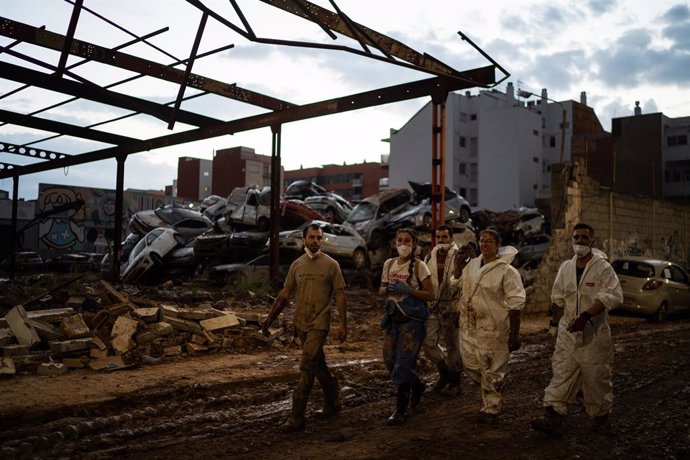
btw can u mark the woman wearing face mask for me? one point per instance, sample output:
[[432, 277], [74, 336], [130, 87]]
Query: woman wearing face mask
[[402, 277]]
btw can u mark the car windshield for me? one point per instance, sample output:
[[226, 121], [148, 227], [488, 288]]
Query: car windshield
[[172, 215], [363, 211], [633, 268]]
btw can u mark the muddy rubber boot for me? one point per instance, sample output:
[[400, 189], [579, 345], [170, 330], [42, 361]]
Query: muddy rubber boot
[[299, 406], [602, 425], [454, 383], [401, 403], [551, 424], [418, 389], [443, 377], [331, 397]]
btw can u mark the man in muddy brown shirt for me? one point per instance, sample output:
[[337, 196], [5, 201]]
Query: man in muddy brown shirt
[[316, 278]]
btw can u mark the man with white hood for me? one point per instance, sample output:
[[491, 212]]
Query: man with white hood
[[586, 288], [490, 305]]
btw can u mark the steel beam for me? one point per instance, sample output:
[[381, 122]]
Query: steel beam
[[102, 95], [358, 101], [63, 128], [32, 152], [54, 41]]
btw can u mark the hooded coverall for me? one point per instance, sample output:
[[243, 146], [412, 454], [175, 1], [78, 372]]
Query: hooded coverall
[[443, 319], [585, 356], [489, 292]]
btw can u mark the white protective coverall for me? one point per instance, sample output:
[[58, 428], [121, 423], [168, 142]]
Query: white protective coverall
[[584, 357], [489, 292]]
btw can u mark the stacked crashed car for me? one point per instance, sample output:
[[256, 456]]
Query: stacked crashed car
[[301, 189], [187, 222], [24, 260], [418, 214], [150, 252], [371, 215], [332, 206], [341, 242], [651, 287]]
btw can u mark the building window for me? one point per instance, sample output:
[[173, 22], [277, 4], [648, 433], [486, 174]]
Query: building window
[[673, 141], [552, 141], [473, 116], [206, 173], [463, 116], [254, 168], [543, 123], [535, 159], [535, 132], [473, 197], [463, 168], [474, 147], [463, 191], [473, 172], [463, 141]]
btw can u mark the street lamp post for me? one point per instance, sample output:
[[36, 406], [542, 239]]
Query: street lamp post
[[528, 94]]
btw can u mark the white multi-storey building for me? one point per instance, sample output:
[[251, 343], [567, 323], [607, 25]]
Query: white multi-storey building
[[499, 149]]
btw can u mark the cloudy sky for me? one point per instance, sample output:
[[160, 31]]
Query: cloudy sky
[[618, 51]]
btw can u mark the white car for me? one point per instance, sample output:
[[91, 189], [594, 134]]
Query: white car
[[150, 251], [341, 242]]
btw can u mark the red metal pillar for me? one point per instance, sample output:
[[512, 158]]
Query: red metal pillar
[[275, 204], [438, 160]]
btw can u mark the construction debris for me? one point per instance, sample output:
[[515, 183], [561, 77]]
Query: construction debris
[[111, 330]]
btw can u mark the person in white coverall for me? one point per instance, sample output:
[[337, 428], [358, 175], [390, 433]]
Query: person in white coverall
[[490, 305], [586, 288]]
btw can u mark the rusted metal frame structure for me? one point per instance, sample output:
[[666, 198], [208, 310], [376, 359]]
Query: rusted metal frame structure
[[283, 112]]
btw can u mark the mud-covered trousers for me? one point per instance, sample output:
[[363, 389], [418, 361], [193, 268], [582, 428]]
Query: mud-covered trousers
[[401, 345], [313, 365], [443, 324]]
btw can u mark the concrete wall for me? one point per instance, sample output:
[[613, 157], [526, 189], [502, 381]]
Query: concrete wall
[[625, 225]]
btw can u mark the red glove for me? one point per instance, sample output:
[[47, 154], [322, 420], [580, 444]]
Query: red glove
[[580, 322]]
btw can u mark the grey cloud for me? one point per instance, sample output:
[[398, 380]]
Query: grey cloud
[[515, 23], [601, 6], [560, 70], [677, 13], [679, 33]]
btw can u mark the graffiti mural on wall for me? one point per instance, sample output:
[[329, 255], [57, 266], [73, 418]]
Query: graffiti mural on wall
[[63, 230], [88, 228], [669, 247]]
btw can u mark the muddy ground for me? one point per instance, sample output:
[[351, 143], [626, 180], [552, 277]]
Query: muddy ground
[[231, 404]]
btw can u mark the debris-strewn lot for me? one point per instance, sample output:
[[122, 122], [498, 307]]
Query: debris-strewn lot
[[181, 395]]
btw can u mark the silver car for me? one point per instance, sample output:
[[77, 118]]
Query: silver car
[[651, 287], [341, 242], [334, 207]]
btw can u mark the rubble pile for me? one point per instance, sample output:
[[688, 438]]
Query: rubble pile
[[114, 330]]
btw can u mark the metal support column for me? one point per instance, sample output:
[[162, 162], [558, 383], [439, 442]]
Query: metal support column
[[117, 225], [13, 243], [275, 204], [438, 160]]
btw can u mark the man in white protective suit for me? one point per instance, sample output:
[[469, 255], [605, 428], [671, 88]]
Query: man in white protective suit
[[586, 288], [490, 306]]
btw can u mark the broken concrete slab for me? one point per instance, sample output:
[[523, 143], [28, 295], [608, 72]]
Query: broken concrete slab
[[7, 366], [70, 346], [227, 321], [122, 344], [14, 350], [148, 315], [53, 316], [75, 302], [98, 343], [51, 369], [183, 324], [155, 331], [6, 337], [74, 327], [98, 354], [22, 330], [124, 327], [75, 363], [169, 311], [46, 331], [173, 350], [194, 348], [196, 314]]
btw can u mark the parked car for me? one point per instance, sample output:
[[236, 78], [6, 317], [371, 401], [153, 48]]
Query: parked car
[[332, 206], [457, 207], [301, 189], [531, 248], [371, 215], [339, 241], [187, 222], [125, 250], [256, 271], [71, 263], [24, 261], [150, 251], [531, 222], [651, 287]]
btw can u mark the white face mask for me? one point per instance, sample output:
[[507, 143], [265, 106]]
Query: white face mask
[[581, 251], [404, 251], [443, 247], [312, 255]]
